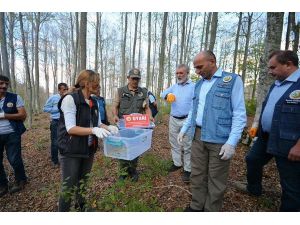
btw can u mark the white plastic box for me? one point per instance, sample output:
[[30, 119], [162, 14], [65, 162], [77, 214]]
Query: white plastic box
[[128, 144]]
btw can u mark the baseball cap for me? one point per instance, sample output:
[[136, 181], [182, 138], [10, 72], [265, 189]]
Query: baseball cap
[[134, 73]]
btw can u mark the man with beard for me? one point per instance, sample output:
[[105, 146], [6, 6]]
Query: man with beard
[[12, 115], [180, 96]]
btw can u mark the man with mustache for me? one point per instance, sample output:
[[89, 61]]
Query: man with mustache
[[12, 115]]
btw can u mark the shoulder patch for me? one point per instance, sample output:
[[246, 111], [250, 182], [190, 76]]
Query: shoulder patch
[[295, 94], [227, 79]]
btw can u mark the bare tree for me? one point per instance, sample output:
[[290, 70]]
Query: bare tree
[[26, 64], [182, 37], [123, 74], [213, 31], [4, 45], [291, 16], [207, 30], [272, 42], [82, 40], [237, 37], [148, 51], [135, 37]]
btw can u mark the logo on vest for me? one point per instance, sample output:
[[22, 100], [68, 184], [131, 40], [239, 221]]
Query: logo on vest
[[10, 104], [295, 95], [227, 79], [140, 94]]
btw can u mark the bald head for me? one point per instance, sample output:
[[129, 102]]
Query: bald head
[[205, 64]]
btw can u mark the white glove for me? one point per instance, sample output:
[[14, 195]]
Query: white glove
[[100, 132], [227, 151], [2, 115], [113, 129], [180, 138]]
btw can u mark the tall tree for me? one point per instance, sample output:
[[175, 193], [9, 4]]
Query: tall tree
[[4, 45], [12, 19], [207, 31], [237, 37], [135, 37], [82, 40], [26, 64], [203, 31], [37, 18], [213, 31], [272, 43], [46, 69], [288, 29], [247, 36], [148, 51], [140, 41], [182, 37], [123, 74], [98, 16]]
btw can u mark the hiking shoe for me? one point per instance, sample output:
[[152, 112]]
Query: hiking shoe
[[134, 175], [186, 176], [242, 187], [173, 168], [189, 209], [18, 186], [3, 190]]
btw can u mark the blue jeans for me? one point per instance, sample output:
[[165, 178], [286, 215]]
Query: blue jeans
[[12, 144], [289, 173], [256, 159], [54, 148]]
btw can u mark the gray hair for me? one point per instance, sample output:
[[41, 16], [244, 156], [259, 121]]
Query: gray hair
[[187, 68]]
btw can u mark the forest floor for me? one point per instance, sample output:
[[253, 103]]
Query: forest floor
[[156, 190]]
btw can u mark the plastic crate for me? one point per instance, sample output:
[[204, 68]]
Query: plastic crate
[[128, 144]]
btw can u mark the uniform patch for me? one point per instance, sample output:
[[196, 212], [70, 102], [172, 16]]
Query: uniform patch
[[135, 71], [140, 94], [226, 79], [295, 95], [10, 104]]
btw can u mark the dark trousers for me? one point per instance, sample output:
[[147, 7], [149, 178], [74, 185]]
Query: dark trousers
[[256, 159], [289, 173], [128, 166], [74, 173], [54, 148], [12, 144]]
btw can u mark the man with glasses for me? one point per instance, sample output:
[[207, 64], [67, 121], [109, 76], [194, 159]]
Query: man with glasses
[[51, 107], [180, 95], [12, 115], [130, 99], [217, 119]]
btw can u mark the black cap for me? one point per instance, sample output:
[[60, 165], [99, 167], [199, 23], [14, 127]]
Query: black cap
[[134, 73]]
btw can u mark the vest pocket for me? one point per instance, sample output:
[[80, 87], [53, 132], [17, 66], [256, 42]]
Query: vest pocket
[[287, 140], [223, 127], [221, 100]]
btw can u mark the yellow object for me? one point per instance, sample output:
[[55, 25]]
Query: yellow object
[[252, 132], [171, 98]]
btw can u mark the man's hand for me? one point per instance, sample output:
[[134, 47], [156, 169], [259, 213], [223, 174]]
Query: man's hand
[[180, 138], [171, 98], [116, 119], [100, 132], [294, 154], [113, 129], [252, 132], [2, 116], [227, 151]]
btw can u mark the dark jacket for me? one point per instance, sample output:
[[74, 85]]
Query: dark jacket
[[72, 145], [10, 107]]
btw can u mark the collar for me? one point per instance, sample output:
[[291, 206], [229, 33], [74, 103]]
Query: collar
[[294, 77], [187, 82], [217, 74]]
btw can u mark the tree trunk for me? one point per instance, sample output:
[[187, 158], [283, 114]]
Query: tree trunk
[[98, 15], [148, 51], [272, 43], [203, 30], [213, 31], [237, 37], [288, 32], [82, 40], [123, 80], [4, 46], [182, 38], [247, 35], [12, 19], [36, 61], [26, 64], [154, 55], [134, 39], [140, 41], [46, 66], [207, 30]]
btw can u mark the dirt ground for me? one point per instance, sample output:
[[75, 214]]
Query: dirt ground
[[41, 193]]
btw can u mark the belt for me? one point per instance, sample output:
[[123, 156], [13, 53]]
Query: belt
[[180, 117]]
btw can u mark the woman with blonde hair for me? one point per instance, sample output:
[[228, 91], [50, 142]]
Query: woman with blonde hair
[[78, 132]]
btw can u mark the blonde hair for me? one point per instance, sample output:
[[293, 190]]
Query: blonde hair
[[86, 76]]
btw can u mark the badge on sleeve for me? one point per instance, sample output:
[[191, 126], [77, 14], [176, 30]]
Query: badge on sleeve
[[226, 79], [10, 104], [295, 95]]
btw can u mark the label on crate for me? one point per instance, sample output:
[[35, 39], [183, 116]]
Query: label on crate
[[136, 120]]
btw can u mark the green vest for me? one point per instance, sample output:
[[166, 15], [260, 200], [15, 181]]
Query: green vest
[[130, 103]]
